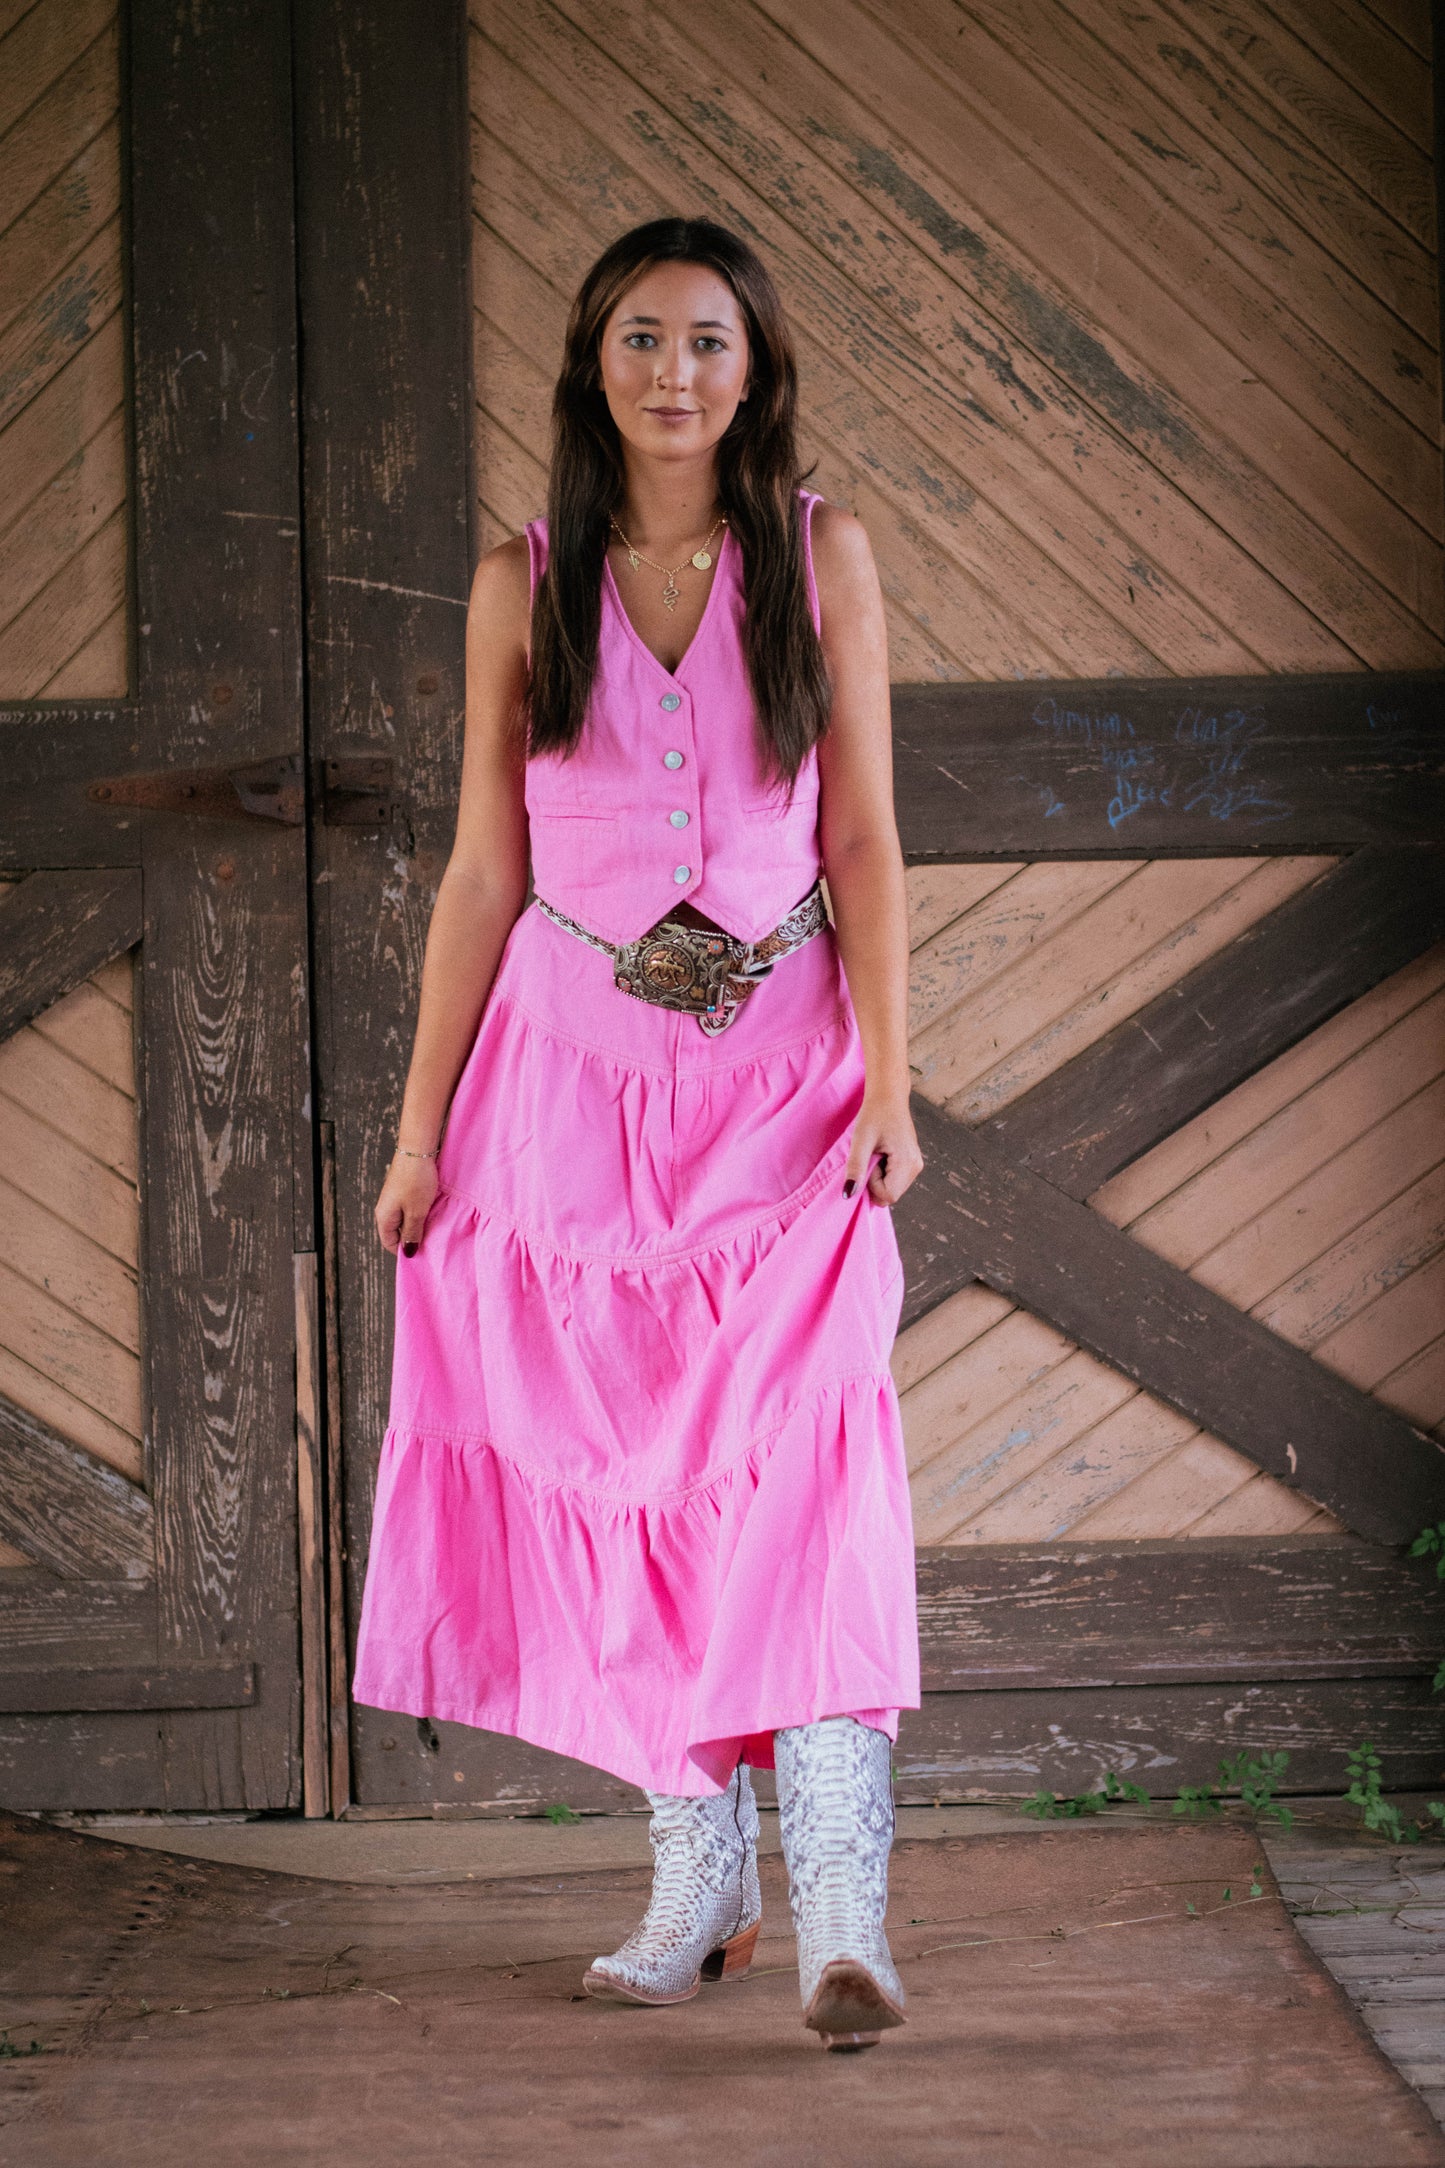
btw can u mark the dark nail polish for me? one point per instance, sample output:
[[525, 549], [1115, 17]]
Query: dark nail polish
[[849, 1186], [409, 1248]]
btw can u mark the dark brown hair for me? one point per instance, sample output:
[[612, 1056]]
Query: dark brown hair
[[758, 481]]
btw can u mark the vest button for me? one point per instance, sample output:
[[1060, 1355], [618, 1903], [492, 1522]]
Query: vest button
[[672, 760], [670, 701], [678, 819], [682, 873]]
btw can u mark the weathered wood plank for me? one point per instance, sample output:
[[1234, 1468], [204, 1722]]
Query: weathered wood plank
[[224, 960], [1154, 768], [978, 1216], [52, 1689], [49, 1621], [387, 575], [1069, 1607], [1330, 1113], [56, 929], [1146, 1183], [1131, 946], [1287, 161], [1194, 171], [73, 106], [1227, 1018], [66, 1510], [1012, 1742]]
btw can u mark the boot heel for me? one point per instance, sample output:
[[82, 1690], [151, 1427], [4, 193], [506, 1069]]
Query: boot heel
[[733, 1957]]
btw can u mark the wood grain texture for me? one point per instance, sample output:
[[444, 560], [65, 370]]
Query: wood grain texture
[[1076, 1610], [32, 1690], [929, 188], [210, 131], [1308, 1193], [1232, 1015], [965, 1745], [1215, 1365], [387, 573], [70, 1322], [1152, 768], [58, 928], [66, 1511], [63, 529]]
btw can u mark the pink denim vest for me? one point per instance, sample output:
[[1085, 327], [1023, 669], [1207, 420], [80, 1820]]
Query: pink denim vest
[[665, 797]]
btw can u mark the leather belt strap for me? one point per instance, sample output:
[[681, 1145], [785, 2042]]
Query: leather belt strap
[[699, 970]]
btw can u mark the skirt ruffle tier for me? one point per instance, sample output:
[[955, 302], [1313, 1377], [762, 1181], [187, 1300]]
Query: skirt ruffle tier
[[642, 1497]]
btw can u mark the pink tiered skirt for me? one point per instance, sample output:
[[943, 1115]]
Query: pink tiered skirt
[[642, 1496]]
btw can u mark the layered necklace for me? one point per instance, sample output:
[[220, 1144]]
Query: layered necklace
[[701, 559]]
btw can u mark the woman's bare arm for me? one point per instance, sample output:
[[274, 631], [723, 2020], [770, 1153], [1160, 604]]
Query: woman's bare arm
[[862, 857], [481, 892]]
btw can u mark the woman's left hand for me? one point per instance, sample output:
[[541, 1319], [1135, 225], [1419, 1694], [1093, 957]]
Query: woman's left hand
[[883, 1139]]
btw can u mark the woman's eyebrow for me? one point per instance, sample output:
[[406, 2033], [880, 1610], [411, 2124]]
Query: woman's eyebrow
[[702, 323]]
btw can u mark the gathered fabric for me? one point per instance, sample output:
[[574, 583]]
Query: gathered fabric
[[642, 1497]]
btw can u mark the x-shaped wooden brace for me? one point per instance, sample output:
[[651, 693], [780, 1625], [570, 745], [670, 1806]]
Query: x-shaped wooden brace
[[1002, 1202]]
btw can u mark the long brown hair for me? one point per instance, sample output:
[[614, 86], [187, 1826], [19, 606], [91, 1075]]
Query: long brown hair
[[758, 481]]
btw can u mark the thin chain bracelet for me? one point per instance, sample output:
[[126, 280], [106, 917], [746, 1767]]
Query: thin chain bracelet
[[405, 1151]]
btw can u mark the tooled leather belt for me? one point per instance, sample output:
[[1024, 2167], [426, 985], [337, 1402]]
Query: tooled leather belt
[[700, 970]]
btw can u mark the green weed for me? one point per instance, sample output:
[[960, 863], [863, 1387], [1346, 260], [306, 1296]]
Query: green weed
[[1047, 1806], [1256, 1777]]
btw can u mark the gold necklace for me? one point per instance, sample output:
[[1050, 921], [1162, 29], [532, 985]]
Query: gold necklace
[[700, 558]]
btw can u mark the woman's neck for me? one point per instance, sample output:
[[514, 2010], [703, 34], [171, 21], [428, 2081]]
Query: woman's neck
[[664, 508]]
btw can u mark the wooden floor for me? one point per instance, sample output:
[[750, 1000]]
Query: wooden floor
[[1374, 1914], [1376, 1918], [1078, 1993]]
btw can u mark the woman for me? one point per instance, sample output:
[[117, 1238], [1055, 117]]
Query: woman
[[642, 1497]]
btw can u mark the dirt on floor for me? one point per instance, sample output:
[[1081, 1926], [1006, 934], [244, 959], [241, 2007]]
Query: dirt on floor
[[1135, 1996]]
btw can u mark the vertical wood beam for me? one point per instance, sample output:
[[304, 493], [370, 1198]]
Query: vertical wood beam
[[217, 557], [383, 255], [311, 1538]]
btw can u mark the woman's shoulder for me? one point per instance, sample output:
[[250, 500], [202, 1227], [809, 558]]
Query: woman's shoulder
[[842, 554], [501, 594]]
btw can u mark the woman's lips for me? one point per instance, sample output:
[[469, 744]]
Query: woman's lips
[[672, 413]]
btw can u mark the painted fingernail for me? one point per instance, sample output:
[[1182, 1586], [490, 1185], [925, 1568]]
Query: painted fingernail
[[409, 1248], [849, 1186]]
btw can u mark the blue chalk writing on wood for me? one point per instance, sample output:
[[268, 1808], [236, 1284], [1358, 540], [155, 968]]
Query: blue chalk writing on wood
[[1198, 762]]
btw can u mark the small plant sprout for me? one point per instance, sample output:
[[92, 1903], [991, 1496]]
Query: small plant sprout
[[560, 1814], [1256, 1777], [1376, 1812], [1430, 1543], [1046, 1806]]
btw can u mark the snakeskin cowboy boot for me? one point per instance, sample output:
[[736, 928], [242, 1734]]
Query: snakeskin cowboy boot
[[702, 1920], [835, 1800]]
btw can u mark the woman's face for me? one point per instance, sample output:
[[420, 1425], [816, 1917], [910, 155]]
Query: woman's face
[[675, 362]]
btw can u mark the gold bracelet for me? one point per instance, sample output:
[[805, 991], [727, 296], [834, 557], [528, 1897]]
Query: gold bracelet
[[405, 1151]]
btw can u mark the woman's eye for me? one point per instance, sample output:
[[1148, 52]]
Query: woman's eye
[[639, 338], [711, 346]]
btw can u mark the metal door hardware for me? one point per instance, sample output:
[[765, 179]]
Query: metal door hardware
[[354, 791]]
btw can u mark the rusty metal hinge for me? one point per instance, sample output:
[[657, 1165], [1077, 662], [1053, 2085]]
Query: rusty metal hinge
[[354, 791]]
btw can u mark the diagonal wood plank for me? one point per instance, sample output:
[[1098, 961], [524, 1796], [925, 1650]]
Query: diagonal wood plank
[[1161, 767], [66, 1510], [1236, 1012], [57, 928], [981, 1217]]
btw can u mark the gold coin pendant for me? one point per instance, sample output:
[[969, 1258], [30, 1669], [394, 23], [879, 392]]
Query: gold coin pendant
[[703, 560]]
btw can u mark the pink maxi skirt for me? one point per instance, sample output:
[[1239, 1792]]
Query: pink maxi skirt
[[642, 1496]]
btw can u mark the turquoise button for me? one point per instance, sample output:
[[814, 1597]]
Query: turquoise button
[[672, 760], [682, 873], [679, 819], [670, 701]]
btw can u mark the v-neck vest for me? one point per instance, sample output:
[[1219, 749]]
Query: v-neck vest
[[665, 797]]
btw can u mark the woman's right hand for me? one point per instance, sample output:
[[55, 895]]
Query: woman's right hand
[[407, 1196]]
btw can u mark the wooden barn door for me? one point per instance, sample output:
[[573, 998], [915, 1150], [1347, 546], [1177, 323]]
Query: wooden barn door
[[1119, 330], [155, 1131]]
